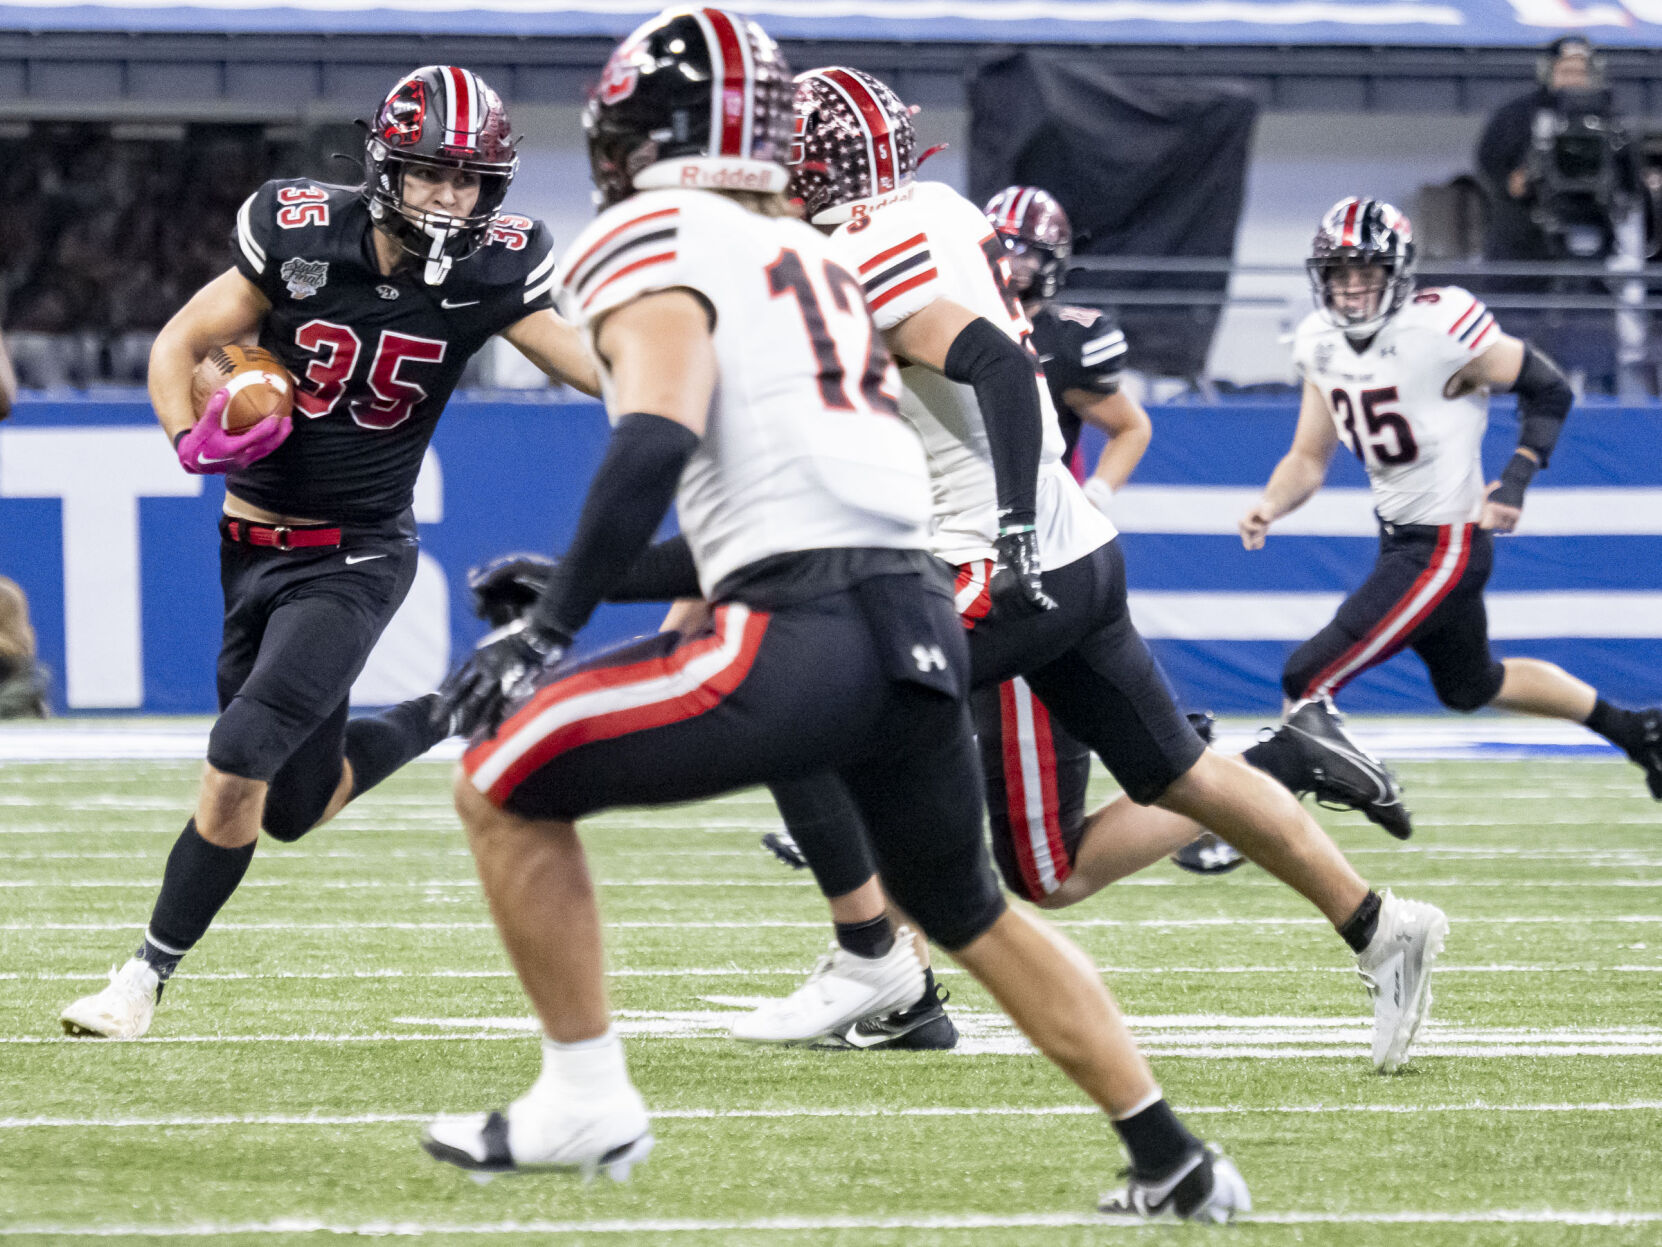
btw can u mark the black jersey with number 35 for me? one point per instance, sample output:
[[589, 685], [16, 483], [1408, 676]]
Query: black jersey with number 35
[[374, 357], [1080, 348]]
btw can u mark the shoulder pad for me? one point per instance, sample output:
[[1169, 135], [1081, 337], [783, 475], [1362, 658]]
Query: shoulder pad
[[1451, 312], [644, 243]]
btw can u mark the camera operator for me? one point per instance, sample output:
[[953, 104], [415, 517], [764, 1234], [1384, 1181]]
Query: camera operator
[[1556, 165]]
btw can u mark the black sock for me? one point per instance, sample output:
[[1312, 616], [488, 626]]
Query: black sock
[[1621, 728], [867, 939], [377, 745], [199, 879], [1357, 930], [1157, 1141], [1278, 758]]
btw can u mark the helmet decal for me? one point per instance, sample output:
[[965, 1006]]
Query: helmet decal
[[855, 143]]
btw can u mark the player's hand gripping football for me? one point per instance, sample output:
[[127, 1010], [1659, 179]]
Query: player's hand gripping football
[[505, 666], [208, 450], [1017, 586]]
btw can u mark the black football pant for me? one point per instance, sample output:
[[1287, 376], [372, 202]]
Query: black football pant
[[864, 685]]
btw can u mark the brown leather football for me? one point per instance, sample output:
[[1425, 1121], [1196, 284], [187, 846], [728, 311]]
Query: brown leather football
[[260, 386]]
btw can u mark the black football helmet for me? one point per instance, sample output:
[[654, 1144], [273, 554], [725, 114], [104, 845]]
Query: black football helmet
[[448, 117], [1035, 231], [853, 143], [697, 97], [1359, 234]]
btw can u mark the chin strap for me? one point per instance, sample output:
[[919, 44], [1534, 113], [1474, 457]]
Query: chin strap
[[437, 267]]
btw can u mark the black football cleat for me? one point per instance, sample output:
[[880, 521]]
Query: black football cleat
[[1339, 772], [924, 1026], [1648, 753], [782, 846], [1204, 1186], [1207, 854]]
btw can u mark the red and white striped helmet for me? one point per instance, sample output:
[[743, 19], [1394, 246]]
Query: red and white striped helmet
[[1030, 222], [853, 143], [445, 116], [697, 97], [1362, 233]]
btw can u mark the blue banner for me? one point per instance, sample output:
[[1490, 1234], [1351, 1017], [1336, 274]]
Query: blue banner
[[117, 550], [1462, 23]]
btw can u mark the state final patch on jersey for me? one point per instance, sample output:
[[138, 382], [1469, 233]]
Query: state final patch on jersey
[[895, 272], [621, 263]]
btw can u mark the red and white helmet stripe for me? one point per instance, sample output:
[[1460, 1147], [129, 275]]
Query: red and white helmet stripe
[[873, 120], [732, 106], [464, 110]]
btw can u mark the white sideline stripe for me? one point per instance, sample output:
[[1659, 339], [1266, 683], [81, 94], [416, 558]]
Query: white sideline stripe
[[1206, 509], [942, 1221], [1184, 616], [708, 1114], [433, 885]]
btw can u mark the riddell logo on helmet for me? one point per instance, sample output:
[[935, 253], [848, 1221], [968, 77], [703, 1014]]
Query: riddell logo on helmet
[[727, 179]]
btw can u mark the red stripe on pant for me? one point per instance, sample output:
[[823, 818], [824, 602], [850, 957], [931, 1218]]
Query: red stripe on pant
[[1395, 625], [608, 725], [979, 573], [1039, 749]]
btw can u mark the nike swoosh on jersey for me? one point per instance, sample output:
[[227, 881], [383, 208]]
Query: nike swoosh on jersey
[[452, 304], [212, 459], [362, 558]]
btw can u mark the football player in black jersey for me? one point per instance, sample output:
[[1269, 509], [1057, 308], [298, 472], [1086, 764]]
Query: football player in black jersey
[[1082, 349], [374, 297]]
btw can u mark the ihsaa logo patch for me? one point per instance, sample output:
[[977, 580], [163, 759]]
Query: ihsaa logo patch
[[305, 277]]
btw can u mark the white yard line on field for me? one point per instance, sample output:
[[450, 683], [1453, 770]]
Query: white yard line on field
[[941, 1221], [842, 1110], [674, 972], [782, 924], [1210, 1036]]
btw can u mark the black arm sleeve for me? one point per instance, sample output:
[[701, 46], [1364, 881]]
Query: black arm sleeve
[[628, 497], [1544, 399], [663, 572], [1007, 391]]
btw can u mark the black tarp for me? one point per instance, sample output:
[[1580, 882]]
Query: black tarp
[[1144, 168]]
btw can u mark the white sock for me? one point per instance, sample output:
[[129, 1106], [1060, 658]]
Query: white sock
[[589, 1067]]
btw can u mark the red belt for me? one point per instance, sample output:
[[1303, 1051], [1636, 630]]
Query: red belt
[[278, 536]]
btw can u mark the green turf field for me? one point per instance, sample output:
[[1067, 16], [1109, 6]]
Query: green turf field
[[354, 987]]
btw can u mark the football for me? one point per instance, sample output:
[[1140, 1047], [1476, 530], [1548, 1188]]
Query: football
[[260, 386]]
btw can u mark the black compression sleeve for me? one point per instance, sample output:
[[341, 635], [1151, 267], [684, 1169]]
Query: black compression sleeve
[[1007, 391], [628, 497], [663, 572], [1544, 399]]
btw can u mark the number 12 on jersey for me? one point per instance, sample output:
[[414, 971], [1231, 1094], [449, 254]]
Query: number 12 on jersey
[[788, 276], [1387, 440]]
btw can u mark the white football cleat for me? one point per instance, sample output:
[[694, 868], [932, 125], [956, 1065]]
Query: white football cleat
[[122, 1010], [1205, 1186], [1396, 969], [612, 1134], [842, 990]]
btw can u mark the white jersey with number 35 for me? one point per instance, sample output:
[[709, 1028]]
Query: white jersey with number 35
[[1422, 449], [803, 449], [928, 242]]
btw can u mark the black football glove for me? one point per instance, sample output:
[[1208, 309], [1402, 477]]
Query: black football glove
[[505, 666], [505, 587], [1017, 587]]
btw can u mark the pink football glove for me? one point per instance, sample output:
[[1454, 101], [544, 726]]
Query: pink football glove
[[209, 450]]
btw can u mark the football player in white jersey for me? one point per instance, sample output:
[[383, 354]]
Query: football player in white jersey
[[747, 384], [935, 277], [1403, 380]]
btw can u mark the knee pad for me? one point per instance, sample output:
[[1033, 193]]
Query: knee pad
[[297, 800], [249, 740], [1470, 691]]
